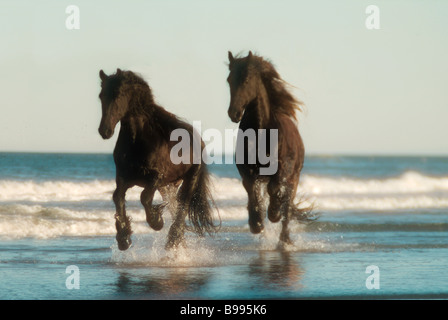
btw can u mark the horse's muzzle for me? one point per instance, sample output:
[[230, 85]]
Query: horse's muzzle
[[106, 133], [235, 116]]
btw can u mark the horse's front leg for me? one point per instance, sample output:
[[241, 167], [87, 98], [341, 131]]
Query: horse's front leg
[[122, 222], [256, 206], [153, 212]]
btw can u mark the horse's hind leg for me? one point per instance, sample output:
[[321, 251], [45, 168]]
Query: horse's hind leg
[[177, 229], [284, 234], [176, 234], [122, 222], [169, 196], [279, 200], [153, 212]]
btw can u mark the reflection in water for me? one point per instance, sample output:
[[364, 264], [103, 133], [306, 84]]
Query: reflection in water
[[159, 283], [271, 272], [277, 270], [207, 272]]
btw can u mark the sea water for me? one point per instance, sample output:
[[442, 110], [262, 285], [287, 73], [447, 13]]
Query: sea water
[[386, 214]]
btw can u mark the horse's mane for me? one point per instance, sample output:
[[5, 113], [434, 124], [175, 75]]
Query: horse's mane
[[280, 97], [143, 102], [129, 82]]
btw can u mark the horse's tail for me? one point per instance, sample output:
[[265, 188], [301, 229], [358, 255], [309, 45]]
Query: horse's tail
[[302, 213], [201, 203]]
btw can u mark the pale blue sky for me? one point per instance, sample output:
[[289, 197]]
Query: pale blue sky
[[366, 91]]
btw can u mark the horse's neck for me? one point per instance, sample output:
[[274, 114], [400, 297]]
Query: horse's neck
[[263, 108], [136, 122], [133, 125]]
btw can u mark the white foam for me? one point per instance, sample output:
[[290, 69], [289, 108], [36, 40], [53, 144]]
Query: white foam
[[36, 221], [393, 202], [411, 190], [48, 191], [408, 182], [67, 208], [225, 189]]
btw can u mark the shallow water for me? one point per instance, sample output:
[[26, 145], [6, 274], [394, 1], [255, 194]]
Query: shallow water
[[237, 265], [396, 220]]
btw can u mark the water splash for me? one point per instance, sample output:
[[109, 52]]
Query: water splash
[[149, 251]]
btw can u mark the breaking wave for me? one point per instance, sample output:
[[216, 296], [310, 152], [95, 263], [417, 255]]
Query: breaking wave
[[67, 208]]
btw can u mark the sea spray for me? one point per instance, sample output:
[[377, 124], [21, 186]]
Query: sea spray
[[150, 251]]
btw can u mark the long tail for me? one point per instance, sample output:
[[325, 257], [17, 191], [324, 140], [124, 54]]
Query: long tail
[[303, 214], [201, 204]]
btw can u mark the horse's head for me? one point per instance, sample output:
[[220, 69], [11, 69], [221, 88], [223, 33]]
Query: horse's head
[[114, 102], [244, 80]]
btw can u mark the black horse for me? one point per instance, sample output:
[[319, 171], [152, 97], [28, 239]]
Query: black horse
[[259, 99], [142, 158]]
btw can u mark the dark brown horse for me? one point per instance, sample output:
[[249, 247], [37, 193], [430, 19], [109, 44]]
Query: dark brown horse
[[259, 99], [142, 158]]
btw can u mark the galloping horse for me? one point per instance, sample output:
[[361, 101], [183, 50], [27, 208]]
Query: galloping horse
[[142, 158], [259, 99]]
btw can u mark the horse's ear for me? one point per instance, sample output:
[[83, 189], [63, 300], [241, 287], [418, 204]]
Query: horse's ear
[[118, 71], [231, 59], [249, 56], [103, 76]]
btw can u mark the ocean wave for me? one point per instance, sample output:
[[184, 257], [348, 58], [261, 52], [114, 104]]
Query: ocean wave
[[35, 221], [43, 222], [12, 190], [67, 208], [407, 183], [410, 189]]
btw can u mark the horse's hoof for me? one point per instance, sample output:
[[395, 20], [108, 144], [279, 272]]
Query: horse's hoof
[[256, 227], [274, 217], [285, 240], [124, 244], [284, 245], [156, 222], [173, 245], [175, 241]]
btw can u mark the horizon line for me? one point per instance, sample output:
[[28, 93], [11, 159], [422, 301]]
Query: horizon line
[[310, 154]]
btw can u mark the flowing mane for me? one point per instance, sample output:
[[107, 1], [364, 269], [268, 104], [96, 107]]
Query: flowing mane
[[133, 85], [142, 101], [280, 98]]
